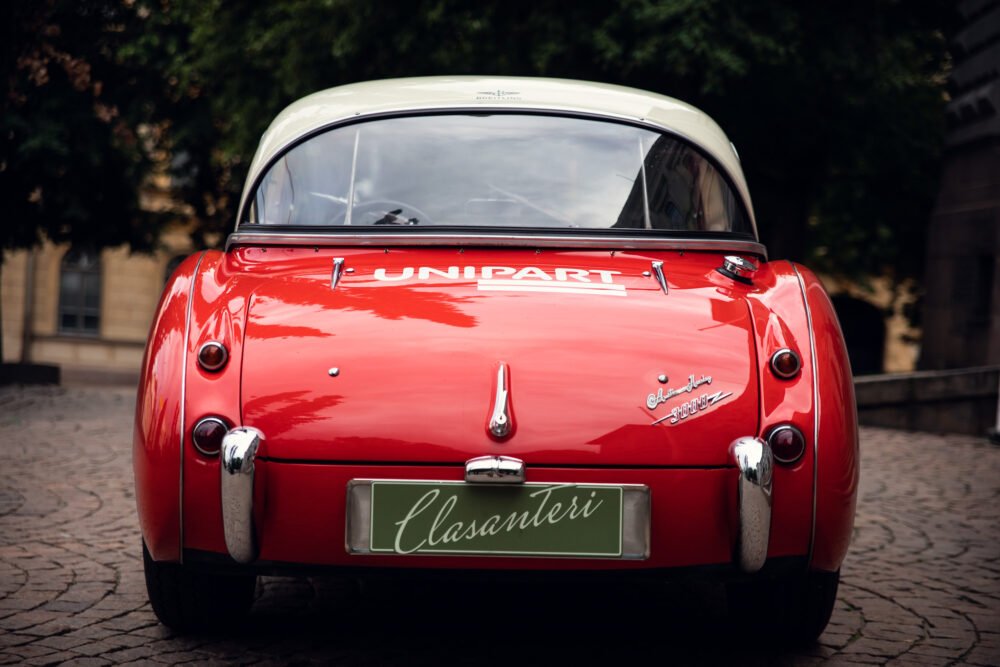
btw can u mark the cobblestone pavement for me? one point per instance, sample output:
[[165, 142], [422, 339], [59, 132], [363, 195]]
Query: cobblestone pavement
[[921, 584]]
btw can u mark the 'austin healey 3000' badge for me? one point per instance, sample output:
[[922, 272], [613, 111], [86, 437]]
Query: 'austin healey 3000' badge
[[690, 407]]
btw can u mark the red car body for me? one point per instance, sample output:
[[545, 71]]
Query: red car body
[[378, 360]]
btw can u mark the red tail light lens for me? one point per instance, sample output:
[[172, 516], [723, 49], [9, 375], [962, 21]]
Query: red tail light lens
[[787, 443], [207, 435], [785, 363], [212, 356]]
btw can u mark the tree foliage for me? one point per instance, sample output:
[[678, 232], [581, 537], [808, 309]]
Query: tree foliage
[[71, 159], [836, 108]]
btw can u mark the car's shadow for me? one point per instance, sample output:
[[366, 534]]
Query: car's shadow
[[496, 622]]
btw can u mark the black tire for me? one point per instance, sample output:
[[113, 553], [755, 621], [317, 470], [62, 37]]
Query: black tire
[[188, 600], [792, 610]]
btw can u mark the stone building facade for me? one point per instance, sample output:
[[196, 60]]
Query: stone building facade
[[83, 310], [961, 322]]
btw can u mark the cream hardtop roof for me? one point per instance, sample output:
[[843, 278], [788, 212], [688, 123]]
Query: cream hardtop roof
[[355, 101]]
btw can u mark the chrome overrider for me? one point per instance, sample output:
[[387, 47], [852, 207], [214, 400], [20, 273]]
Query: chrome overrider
[[756, 463], [239, 449]]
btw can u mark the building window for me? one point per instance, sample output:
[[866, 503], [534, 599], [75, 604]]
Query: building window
[[80, 292]]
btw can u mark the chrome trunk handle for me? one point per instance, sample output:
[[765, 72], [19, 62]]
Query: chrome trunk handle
[[500, 419], [495, 470]]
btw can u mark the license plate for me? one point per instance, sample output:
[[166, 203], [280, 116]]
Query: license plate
[[537, 519]]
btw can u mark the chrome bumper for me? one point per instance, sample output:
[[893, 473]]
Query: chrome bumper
[[754, 459], [752, 456], [239, 449]]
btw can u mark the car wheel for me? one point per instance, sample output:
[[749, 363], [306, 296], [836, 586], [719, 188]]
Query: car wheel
[[792, 610], [185, 600]]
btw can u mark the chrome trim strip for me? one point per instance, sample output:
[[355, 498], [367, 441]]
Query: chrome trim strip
[[494, 470], [466, 239], [658, 272], [754, 494], [354, 173], [646, 222], [239, 449], [815, 388], [184, 366], [716, 160], [338, 268]]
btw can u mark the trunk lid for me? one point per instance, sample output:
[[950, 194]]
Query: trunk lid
[[417, 337]]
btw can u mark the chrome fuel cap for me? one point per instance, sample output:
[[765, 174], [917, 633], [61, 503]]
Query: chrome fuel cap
[[738, 268]]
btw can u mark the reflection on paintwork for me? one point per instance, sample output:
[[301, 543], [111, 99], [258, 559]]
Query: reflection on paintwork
[[288, 410], [432, 345]]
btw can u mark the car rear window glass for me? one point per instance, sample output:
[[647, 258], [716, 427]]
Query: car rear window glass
[[497, 170]]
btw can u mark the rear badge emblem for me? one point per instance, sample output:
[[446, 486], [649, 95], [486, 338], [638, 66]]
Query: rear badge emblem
[[690, 407], [693, 407], [653, 400]]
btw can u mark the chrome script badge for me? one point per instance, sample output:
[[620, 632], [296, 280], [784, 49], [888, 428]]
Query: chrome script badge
[[659, 397], [693, 407]]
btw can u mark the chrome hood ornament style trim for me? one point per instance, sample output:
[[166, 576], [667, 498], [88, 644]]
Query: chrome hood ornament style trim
[[338, 269], [658, 273], [500, 421]]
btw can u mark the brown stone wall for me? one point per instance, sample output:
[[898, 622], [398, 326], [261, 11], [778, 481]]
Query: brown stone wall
[[130, 289], [962, 275]]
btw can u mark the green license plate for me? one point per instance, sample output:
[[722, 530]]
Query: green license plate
[[496, 519]]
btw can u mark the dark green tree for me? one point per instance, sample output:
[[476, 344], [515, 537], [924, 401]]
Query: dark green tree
[[836, 108], [71, 156]]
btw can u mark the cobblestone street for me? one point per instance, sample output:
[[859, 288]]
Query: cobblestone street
[[921, 584]]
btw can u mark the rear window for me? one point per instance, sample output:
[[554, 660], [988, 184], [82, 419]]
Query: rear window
[[497, 170]]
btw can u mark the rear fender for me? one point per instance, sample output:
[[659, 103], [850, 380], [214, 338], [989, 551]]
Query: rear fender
[[780, 321], [156, 442], [218, 313], [836, 433]]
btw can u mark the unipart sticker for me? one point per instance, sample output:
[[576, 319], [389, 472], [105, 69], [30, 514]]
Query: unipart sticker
[[509, 279]]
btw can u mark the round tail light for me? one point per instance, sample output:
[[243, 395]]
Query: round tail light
[[212, 356], [787, 443], [785, 363], [207, 435]]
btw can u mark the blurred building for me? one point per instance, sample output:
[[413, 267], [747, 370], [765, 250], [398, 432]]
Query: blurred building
[[961, 322], [84, 310], [875, 319], [88, 310]]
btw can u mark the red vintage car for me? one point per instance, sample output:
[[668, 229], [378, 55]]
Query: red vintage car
[[480, 324]]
